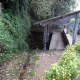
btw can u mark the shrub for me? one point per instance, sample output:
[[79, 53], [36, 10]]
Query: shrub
[[14, 27], [67, 67], [41, 9], [77, 47], [13, 33]]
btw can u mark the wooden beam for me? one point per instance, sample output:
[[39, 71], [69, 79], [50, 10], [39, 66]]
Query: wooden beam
[[69, 24], [72, 29], [58, 17], [60, 21], [67, 37], [45, 37], [48, 32], [76, 28]]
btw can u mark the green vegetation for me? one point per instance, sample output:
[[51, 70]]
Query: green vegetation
[[32, 73], [17, 16], [67, 67], [14, 29], [36, 57], [41, 9], [63, 6], [15, 22]]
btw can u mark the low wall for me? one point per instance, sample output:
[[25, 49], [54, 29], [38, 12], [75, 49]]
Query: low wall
[[66, 37]]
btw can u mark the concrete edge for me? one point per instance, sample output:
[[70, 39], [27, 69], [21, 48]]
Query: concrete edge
[[66, 37]]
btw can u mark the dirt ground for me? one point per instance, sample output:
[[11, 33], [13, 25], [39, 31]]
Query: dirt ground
[[46, 59], [10, 69], [38, 65]]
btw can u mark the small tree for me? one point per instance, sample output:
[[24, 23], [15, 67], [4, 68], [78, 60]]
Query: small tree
[[41, 9], [63, 6]]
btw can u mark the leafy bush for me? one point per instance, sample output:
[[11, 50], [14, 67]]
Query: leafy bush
[[14, 27], [67, 67], [41, 9], [77, 47], [63, 6], [13, 33]]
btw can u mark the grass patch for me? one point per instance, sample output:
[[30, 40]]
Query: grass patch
[[36, 58], [32, 73]]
